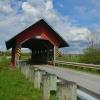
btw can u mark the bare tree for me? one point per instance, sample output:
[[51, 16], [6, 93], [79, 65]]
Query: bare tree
[[93, 41], [92, 52]]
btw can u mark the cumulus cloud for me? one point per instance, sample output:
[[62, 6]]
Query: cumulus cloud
[[79, 33], [5, 8], [60, 23], [32, 11], [49, 5], [29, 9]]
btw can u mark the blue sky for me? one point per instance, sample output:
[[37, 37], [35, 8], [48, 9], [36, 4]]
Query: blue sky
[[74, 20], [84, 12]]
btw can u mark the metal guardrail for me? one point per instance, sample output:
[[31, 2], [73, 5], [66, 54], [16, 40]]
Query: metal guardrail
[[83, 94], [92, 66]]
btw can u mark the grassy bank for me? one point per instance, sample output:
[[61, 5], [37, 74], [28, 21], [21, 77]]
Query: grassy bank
[[83, 69], [74, 58], [13, 85]]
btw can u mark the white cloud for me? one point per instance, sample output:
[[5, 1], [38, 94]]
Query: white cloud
[[61, 23], [32, 11], [49, 5], [6, 9], [29, 9], [79, 33]]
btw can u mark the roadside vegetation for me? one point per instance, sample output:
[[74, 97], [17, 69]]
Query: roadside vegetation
[[91, 55], [85, 58], [13, 85], [83, 69], [69, 57]]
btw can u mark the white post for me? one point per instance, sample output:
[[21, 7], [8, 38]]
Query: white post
[[66, 90], [37, 78], [48, 84]]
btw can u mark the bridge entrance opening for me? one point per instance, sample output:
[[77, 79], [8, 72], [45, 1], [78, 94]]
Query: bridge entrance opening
[[42, 50]]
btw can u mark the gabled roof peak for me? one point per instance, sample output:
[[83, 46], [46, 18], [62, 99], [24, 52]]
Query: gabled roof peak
[[10, 43]]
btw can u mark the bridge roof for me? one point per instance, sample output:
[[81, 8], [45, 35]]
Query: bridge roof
[[47, 33]]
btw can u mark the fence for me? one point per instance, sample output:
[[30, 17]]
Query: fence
[[82, 65], [49, 84]]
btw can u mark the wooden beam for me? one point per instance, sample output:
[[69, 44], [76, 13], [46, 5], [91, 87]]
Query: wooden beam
[[54, 55], [15, 54], [13, 57]]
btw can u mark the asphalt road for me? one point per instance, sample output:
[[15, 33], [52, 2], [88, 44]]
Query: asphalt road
[[91, 82]]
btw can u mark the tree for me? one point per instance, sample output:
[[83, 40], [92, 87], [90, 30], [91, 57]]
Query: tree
[[92, 52], [93, 41]]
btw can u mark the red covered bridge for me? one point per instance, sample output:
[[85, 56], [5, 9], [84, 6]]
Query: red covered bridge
[[41, 39]]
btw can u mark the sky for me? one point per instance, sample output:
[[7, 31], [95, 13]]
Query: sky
[[74, 20]]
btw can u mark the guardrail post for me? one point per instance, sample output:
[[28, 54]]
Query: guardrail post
[[31, 73], [66, 90], [37, 78], [27, 71], [19, 64], [22, 68], [53, 80], [48, 84]]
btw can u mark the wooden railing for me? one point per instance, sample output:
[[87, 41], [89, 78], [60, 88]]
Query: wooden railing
[[91, 66]]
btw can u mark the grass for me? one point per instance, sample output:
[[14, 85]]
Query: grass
[[13, 85], [53, 95], [68, 58], [84, 69], [76, 59]]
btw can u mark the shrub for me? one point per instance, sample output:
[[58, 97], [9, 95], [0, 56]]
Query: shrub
[[91, 56]]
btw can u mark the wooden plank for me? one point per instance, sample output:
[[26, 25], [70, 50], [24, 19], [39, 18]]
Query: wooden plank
[[79, 64]]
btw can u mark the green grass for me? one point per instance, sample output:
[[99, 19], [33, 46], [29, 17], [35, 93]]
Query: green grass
[[53, 97], [13, 85], [68, 58], [4, 63], [84, 69], [76, 59]]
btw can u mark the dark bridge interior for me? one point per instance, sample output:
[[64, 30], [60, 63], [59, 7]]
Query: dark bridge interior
[[42, 50]]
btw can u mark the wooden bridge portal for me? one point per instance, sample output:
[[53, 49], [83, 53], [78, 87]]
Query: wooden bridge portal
[[41, 39]]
